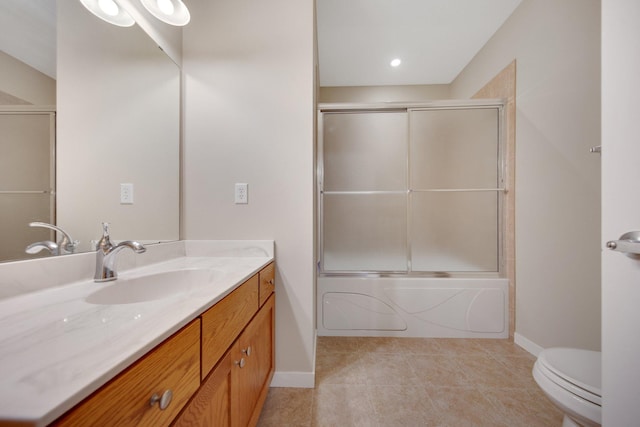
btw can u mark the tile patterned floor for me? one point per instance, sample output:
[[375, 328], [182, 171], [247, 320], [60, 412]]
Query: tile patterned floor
[[379, 382]]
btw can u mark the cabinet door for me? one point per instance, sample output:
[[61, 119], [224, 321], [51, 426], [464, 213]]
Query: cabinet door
[[211, 406], [253, 366]]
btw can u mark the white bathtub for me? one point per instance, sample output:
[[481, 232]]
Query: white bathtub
[[413, 307]]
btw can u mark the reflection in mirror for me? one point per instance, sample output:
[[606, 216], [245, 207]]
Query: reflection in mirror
[[115, 121]]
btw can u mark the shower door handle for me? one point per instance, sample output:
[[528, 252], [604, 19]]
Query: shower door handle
[[629, 244]]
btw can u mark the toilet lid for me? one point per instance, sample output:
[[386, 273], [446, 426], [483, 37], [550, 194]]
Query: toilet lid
[[582, 368]]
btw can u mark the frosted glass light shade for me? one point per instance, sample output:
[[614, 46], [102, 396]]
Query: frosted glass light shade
[[173, 12], [109, 11]]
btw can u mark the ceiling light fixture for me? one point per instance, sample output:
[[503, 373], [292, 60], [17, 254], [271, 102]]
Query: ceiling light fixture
[[173, 12], [395, 62], [109, 11]]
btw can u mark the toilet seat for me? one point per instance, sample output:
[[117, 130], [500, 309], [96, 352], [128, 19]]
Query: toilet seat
[[571, 378], [577, 371]]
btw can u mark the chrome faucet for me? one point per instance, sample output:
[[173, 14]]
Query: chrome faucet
[[66, 245], [106, 255]]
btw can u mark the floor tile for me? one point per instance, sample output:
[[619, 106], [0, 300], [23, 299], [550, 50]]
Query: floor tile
[[340, 368], [289, 407], [486, 372], [338, 344], [462, 407], [415, 382], [520, 407], [401, 405], [342, 405], [439, 371], [388, 369]]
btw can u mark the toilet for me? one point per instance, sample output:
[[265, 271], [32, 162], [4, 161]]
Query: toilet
[[571, 378]]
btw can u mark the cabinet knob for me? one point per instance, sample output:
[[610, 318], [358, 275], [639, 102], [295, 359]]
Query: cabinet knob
[[271, 282], [247, 351], [163, 401], [240, 362]]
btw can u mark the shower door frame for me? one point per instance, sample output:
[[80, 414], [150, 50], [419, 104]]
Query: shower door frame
[[501, 189], [51, 112]]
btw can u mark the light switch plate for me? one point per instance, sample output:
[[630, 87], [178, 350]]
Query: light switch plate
[[126, 194]]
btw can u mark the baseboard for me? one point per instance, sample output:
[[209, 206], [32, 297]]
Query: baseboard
[[297, 379], [527, 344], [294, 379]]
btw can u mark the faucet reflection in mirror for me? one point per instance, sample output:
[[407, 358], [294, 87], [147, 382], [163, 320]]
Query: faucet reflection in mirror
[[172, 12], [66, 245], [106, 255]]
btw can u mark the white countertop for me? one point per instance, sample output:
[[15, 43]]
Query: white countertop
[[56, 348]]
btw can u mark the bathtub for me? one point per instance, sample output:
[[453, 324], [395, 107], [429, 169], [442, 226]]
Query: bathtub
[[413, 307]]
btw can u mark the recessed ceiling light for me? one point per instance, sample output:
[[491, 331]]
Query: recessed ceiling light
[[396, 62]]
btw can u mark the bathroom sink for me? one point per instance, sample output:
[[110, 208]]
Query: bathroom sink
[[153, 286]]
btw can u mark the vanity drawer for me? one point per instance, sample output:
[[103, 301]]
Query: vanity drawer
[[223, 322], [267, 282], [125, 401]]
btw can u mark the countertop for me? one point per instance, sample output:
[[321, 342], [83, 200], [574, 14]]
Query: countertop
[[56, 348]]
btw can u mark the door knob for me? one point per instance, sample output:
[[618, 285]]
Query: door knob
[[628, 243]]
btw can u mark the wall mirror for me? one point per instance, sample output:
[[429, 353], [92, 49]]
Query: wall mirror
[[115, 120]]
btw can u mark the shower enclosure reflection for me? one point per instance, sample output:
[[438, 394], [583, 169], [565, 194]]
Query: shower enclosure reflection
[[27, 177]]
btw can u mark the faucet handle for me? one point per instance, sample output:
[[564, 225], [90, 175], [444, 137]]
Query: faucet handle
[[105, 241]]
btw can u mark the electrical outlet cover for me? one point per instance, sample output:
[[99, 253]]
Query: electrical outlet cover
[[242, 194]]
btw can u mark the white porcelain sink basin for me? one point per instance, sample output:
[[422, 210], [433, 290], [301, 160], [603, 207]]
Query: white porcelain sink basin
[[153, 286]]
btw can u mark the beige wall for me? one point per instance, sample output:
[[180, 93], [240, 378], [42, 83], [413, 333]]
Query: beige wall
[[19, 80], [557, 48], [406, 93], [118, 122], [249, 117]]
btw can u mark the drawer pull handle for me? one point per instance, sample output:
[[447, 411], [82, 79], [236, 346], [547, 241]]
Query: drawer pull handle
[[163, 401], [240, 362], [247, 351]]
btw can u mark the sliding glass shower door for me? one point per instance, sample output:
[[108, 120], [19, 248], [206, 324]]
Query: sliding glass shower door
[[454, 181], [411, 190], [364, 196]]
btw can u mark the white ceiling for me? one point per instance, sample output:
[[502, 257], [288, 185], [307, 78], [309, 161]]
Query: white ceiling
[[435, 39], [356, 38], [28, 32]]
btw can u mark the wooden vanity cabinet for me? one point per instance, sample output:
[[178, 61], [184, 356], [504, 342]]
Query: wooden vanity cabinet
[[218, 367], [125, 400], [233, 393]]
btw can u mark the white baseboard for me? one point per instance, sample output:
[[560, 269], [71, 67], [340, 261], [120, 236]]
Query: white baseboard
[[527, 344], [294, 379], [297, 379]]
